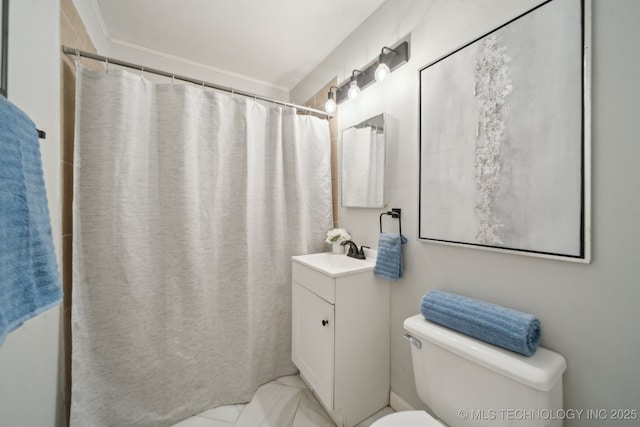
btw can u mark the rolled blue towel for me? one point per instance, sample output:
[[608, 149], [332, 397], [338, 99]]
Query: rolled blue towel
[[389, 259], [504, 327]]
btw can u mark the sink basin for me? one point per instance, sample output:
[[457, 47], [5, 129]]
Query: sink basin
[[335, 265]]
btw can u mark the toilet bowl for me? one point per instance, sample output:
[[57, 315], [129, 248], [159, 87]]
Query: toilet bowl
[[407, 419]]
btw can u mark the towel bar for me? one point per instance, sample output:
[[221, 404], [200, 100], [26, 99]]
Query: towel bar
[[394, 213]]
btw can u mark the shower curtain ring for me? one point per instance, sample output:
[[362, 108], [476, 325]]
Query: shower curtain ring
[[77, 56], [142, 73], [106, 61]]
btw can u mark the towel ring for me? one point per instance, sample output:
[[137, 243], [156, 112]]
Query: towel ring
[[394, 213]]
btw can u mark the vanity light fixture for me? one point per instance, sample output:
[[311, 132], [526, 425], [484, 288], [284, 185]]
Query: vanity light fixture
[[354, 90], [330, 106], [377, 70]]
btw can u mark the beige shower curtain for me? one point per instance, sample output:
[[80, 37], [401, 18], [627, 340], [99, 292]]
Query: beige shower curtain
[[188, 206]]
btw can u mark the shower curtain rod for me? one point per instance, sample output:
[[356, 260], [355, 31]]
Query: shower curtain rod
[[107, 60]]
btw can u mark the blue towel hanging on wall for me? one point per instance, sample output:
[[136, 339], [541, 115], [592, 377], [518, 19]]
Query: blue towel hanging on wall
[[389, 259], [29, 280]]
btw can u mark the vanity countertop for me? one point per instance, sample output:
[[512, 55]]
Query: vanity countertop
[[335, 265]]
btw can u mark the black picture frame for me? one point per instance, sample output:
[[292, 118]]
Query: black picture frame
[[4, 45], [452, 187]]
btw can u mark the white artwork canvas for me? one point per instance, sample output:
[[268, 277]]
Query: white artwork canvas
[[502, 137]]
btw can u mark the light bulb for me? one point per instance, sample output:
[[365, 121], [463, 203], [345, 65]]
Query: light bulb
[[330, 106], [354, 90], [382, 72]]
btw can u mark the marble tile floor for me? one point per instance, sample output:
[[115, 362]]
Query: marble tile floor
[[284, 402]]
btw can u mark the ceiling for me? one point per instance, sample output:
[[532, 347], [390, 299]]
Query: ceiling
[[274, 42]]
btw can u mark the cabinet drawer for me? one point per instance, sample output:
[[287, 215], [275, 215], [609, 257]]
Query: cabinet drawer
[[316, 282]]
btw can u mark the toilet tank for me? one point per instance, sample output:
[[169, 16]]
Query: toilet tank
[[467, 382]]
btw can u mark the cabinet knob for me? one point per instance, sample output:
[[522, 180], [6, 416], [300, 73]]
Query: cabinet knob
[[325, 322]]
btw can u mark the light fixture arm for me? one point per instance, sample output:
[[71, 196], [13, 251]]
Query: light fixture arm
[[395, 52], [383, 70], [330, 94], [354, 88], [330, 105]]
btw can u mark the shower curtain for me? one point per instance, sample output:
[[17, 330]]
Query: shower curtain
[[188, 205]]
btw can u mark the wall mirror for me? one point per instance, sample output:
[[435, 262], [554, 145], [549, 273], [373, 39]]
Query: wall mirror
[[363, 181]]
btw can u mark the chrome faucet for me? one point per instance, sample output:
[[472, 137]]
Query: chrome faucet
[[353, 251]]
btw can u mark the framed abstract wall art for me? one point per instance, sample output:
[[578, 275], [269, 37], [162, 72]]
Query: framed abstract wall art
[[505, 137]]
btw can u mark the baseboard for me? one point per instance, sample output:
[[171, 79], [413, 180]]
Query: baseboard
[[398, 403]]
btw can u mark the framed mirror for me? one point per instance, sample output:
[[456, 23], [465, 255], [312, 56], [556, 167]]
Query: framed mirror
[[362, 155], [4, 45]]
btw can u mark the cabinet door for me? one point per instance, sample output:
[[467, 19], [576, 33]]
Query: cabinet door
[[312, 347]]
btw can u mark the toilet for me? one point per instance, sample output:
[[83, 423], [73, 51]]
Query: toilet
[[467, 382]]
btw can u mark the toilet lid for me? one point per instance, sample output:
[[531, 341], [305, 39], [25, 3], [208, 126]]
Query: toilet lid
[[407, 419]]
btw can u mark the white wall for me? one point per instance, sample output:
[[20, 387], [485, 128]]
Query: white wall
[[30, 388], [93, 24], [193, 70], [588, 312], [107, 46]]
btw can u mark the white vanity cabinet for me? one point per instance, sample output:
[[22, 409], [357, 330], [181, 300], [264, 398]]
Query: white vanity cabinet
[[340, 338]]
